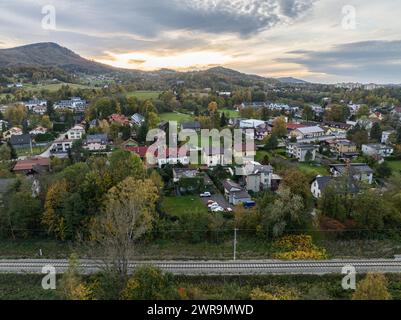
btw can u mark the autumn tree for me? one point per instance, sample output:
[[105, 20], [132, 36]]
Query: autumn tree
[[127, 215], [376, 132], [212, 107], [16, 114], [280, 127], [373, 287]]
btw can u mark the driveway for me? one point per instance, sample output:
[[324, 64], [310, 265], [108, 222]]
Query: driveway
[[219, 198]]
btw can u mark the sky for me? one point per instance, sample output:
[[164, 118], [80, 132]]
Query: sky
[[324, 41]]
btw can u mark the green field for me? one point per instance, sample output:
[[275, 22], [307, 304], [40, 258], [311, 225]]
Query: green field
[[175, 116], [230, 112], [27, 151], [312, 169], [395, 166], [144, 95], [179, 206], [55, 86]]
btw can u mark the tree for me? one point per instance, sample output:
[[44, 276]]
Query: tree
[[223, 120], [336, 112], [373, 287], [384, 170], [363, 111], [272, 143], [16, 114], [5, 152], [279, 127], [212, 107], [71, 286], [279, 294], [307, 113], [298, 183], [127, 215], [150, 283], [376, 132], [152, 120], [125, 164]]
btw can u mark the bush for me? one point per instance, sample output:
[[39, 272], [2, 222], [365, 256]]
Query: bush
[[298, 247]]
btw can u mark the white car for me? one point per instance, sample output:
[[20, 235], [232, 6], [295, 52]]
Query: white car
[[218, 209], [212, 204], [205, 195]]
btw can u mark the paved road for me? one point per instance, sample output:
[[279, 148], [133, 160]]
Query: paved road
[[242, 267]]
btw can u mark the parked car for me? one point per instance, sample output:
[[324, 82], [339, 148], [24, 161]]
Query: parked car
[[229, 210], [218, 209], [214, 207], [206, 195], [249, 204], [212, 204]]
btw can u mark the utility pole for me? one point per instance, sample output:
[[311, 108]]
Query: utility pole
[[235, 244]]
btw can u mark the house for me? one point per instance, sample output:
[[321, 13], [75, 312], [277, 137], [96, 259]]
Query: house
[[262, 131], [61, 146], [246, 151], [386, 136], [257, 177], [172, 156], [213, 156], [302, 152], [38, 130], [35, 103], [377, 150], [14, 131], [336, 127], [138, 150], [234, 193], [293, 126], [308, 132], [137, 119], [345, 149], [76, 132], [360, 171], [319, 184], [193, 125], [251, 123], [378, 116], [96, 142], [75, 104], [21, 141], [32, 166], [39, 110], [120, 119], [180, 173]]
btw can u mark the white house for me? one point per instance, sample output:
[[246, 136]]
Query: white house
[[377, 150], [138, 119], [61, 146], [39, 110], [302, 151], [76, 132], [250, 123], [96, 142], [213, 156], [319, 184], [38, 130], [359, 171], [386, 135], [35, 103]]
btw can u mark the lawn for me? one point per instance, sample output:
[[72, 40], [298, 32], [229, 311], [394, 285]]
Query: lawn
[[395, 166], [56, 86], [144, 95], [179, 206], [27, 151], [230, 113], [312, 169], [175, 116]]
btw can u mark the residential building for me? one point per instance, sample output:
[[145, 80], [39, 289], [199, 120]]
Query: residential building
[[76, 132], [302, 152], [61, 146], [386, 136], [75, 104], [32, 166], [359, 171], [39, 110], [35, 103], [234, 193], [251, 123], [308, 132], [137, 119], [120, 119], [96, 142], [213, 156], [38, 130], [180, 173], [377, 150], [172, 156], [257, 177], [14, 131], [319, 184]]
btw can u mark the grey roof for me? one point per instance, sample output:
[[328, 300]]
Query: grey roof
[[307, 130], [229, 184], [20, 140], [323, 181], [241, 195], [355, 167], [97, 138]]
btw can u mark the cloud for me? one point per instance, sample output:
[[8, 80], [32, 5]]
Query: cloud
[[377, 59]]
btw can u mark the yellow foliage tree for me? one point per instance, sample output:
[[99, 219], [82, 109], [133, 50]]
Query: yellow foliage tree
[[279, 294], [373, 287]]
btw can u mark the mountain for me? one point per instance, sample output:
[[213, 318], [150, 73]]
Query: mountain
[[291, 80], [49, 55]]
